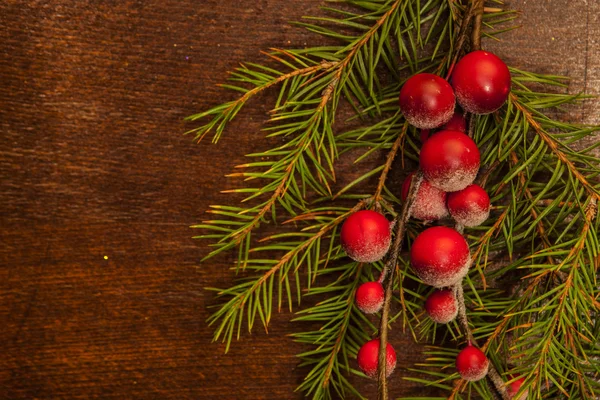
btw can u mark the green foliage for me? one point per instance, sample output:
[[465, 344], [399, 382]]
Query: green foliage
[[532, 293]]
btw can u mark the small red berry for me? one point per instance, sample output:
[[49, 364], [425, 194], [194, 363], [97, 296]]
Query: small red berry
[[481, 82], [440, 256], [449, 160], [366, 236], [427, 101], [441, 306], [457, 123], [472, 364], [368, 358], [369, 297], [470, 206], [430, 203], [514, 387], [424, 134]]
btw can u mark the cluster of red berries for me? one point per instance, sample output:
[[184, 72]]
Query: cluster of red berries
[[449, 161], [366, 237]]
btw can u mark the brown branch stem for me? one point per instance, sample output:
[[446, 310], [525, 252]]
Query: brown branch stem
[[476, 31], [462, 33], [390, 265]]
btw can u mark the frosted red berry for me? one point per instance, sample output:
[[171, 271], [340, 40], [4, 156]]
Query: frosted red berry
[[427, 101], [481, 82], [369, 297], [368, 358], [456, 123], [470, 206], [441, 306], [514, 387], [449, 160], [472, 364], [366, 236], [430, 202], [440, 256]]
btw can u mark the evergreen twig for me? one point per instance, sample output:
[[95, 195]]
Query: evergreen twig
[[532, 294]]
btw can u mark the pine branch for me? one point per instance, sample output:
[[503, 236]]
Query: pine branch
[[333, 338], [377, 197], [554, 147], [540, 241]]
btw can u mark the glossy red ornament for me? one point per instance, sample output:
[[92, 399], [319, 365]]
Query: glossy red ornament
[[366, 236], [470, 206], [368, 358], [472, 364], [457, 123], [449, 160], [369, 297], [440, 256], [481, 82], [427, 101], [430, 202], [441, 306]]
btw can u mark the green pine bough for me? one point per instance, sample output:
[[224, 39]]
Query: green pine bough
[[531, 298]]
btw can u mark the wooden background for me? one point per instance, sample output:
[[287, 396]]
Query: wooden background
[[101, 295]]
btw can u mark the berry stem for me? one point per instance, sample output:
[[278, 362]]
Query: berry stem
[[464, 29], [493, 375], [389, 269], [477, 6], [462, 313]]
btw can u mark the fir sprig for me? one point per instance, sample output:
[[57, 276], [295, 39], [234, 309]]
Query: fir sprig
[[532, 296]]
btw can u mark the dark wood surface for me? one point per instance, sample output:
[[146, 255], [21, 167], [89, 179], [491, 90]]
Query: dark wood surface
[[101, 293]]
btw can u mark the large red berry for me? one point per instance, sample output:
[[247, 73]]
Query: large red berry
[[368, 358], [470, 206], [440, 256], [481, 82], [369, 297], [441, 306], [430, 202], [456, 123], [366, 236], [472, 364], [449, 160], [427, 101], [514, 387]]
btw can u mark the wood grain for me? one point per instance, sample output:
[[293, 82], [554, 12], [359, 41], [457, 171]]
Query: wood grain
[[101, 295]]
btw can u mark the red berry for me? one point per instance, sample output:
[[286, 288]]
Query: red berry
[[366, 236], [427, 101], [369, 297], [368, 358], [457, 123], [470, 206], [430, 203], [441, 306], [472, 364], [449, 160], [424, 135], [515, 386], [481, 82], [440, 256]]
